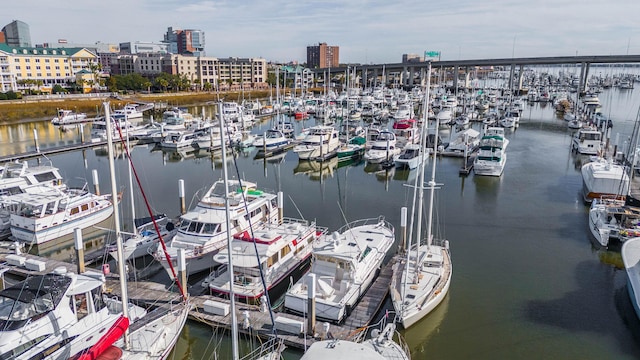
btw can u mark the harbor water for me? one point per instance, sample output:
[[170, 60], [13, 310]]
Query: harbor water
[[528, 280]]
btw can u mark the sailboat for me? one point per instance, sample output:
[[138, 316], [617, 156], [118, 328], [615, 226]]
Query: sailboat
[[380, 346], [144, 240], [153, 335], [422, 279], [274, 140], [275, 346]]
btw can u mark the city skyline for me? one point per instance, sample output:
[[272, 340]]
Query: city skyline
[[366, 31]]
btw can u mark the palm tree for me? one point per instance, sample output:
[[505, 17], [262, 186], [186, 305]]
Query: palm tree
[[163, 83]]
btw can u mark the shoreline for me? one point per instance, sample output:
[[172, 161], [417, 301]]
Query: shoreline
[[26, 110]]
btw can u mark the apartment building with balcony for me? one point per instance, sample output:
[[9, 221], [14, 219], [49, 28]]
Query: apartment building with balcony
[[226, 74], [48, 66]]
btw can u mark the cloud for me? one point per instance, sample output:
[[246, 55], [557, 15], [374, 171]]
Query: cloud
[[371, 31]]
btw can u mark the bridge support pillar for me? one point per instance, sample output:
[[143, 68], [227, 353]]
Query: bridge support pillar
[[411, 72], [456, 69]]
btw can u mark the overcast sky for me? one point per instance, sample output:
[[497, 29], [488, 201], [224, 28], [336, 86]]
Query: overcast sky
[[367, 31]]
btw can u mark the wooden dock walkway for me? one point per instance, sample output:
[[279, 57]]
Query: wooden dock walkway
[[152, 293], [52, 150]]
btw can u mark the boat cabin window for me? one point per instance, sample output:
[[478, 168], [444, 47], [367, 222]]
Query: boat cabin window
[[15, 352], [272, 260], [84, 207], [51, 208], [98, 300], [74, 211], [80, 305], [11, 191], [284, 251], [195, 227], [210, 228], [30, 300], [44, 177]]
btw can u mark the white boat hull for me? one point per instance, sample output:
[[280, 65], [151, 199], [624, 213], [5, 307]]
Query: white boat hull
[[23, 232], [631, 258], [490, 168]]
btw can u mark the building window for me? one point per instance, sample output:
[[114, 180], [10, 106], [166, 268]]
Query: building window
[[48, 74], [57, 74], [37, 60], [46, 60], [48, 67], [38, 67], [17, 67], [56, 60], [28, 67], [27, 60]]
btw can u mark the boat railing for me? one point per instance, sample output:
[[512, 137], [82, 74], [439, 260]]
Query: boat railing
[[270, 349], [380, 220], [220, 270]]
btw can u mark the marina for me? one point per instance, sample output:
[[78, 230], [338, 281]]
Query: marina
[[529, 280]]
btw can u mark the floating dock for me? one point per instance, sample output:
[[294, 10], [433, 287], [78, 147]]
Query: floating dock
[[251, 319], [468, 165]]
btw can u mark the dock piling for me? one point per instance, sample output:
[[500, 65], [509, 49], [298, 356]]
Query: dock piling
[[183, 206], [77, 237], [96, 181], [35, 140], [311, 303], [280, 206], [182, 269], [403, 229]]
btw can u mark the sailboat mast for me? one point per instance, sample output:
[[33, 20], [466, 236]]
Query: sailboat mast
[[129, 162], [432, 181], [234, 323], [421, 174], [116, 220]]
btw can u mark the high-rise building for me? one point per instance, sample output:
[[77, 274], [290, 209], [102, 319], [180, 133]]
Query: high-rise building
[[185, 42], [323, 56], [17, 34]]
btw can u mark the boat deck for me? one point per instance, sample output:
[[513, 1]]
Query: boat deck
[[152, 293]]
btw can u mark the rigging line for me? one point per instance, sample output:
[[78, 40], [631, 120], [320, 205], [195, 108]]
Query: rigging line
[[347, 225], [146, 202], [255, 245], [296, 206]]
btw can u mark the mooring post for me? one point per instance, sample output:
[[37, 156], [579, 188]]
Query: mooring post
[[77, 237], [280, 207], [311, 304], [403, 229], [35, 140], [183, 205], [96, 181], [182, 269]]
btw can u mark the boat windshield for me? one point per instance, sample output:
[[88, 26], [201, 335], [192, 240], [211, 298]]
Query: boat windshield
[[197, 227], [31, 299]]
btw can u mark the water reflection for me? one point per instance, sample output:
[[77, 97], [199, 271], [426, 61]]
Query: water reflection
[[317, 170], [427, 327]]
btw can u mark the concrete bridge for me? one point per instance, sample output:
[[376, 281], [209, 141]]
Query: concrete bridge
[[367, 72]]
